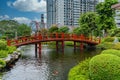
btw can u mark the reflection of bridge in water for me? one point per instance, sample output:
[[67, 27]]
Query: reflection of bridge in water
[[38, 39]]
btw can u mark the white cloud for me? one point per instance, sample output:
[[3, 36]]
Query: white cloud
[[3, 17], [29, 5], [22, 20]]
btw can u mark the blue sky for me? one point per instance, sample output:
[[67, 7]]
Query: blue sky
[[23, 11]]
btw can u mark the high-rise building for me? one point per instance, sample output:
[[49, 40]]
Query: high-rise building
[[67, 12], [51, 11]]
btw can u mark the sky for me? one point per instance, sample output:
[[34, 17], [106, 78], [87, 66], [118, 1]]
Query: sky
[[23, 11]]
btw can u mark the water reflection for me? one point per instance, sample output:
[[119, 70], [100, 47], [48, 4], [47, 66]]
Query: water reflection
[[51, 66]]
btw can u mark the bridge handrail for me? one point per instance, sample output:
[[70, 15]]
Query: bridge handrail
[[55, 36]]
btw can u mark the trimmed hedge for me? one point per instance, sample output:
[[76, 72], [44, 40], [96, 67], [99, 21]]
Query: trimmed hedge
[[105, 67], [80, 72], [111, 51]]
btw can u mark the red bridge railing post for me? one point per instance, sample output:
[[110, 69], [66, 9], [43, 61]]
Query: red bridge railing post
[[63, 35], [9, 42], [56, 34]]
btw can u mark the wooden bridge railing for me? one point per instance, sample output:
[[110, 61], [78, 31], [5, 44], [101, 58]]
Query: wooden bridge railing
[[55, 36]]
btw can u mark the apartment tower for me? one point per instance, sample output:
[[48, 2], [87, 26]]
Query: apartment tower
[[67, 12]]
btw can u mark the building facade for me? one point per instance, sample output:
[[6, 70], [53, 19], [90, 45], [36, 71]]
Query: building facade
[[67, 12]]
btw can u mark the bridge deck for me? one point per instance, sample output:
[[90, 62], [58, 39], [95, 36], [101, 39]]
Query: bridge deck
[[26, 40]]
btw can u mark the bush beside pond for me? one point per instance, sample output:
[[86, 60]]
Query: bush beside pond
[[80, 72], [111, 51], [109, 45], [105, 66]]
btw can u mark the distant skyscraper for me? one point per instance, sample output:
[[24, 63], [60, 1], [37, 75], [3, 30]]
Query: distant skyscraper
[[51, 10], [67, 12]]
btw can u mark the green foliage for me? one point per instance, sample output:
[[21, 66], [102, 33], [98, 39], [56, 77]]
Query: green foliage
[[8, 27], [88, 23], [105, 67], [77, 30], [68, 43], [23, 30], [111, 51], [115, 32], [3, 53], [3, 45], [63, 29], [11, 49], [2, 63], [109, 45], [109, 39], [80, 72], [106, 45], [53, 29], [106, 15], [117, 46]]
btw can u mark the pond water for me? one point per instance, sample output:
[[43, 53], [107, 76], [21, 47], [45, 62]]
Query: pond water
[[51, 65]]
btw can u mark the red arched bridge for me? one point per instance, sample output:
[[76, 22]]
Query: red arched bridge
[[39, 38]]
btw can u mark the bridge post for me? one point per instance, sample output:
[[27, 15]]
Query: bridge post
[[74, 46], [63, 46], [81, 46], [39, 49], [56, 45], [36, 50]]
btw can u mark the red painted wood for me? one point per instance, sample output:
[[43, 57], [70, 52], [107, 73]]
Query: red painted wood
[[53, 37]]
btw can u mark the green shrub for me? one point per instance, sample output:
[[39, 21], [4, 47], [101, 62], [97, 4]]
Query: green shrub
[[2, 63], [109, 45], [106, 45], [105, 67], [69, 43], [11, 49], [117, 46], [80, 72], [108, 39], [3, 45], [111, 51], [3, 54]]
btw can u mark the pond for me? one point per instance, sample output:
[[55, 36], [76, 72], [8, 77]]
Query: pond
[[51, 65]]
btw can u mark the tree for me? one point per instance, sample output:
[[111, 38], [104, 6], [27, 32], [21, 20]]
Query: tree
[[23, 30], [106, 15], [64, 29], [8, 28], [88, 23], [53, 29]]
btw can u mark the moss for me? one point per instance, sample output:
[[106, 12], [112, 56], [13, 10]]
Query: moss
[[80, 72], [105, 67], [111, 51]]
